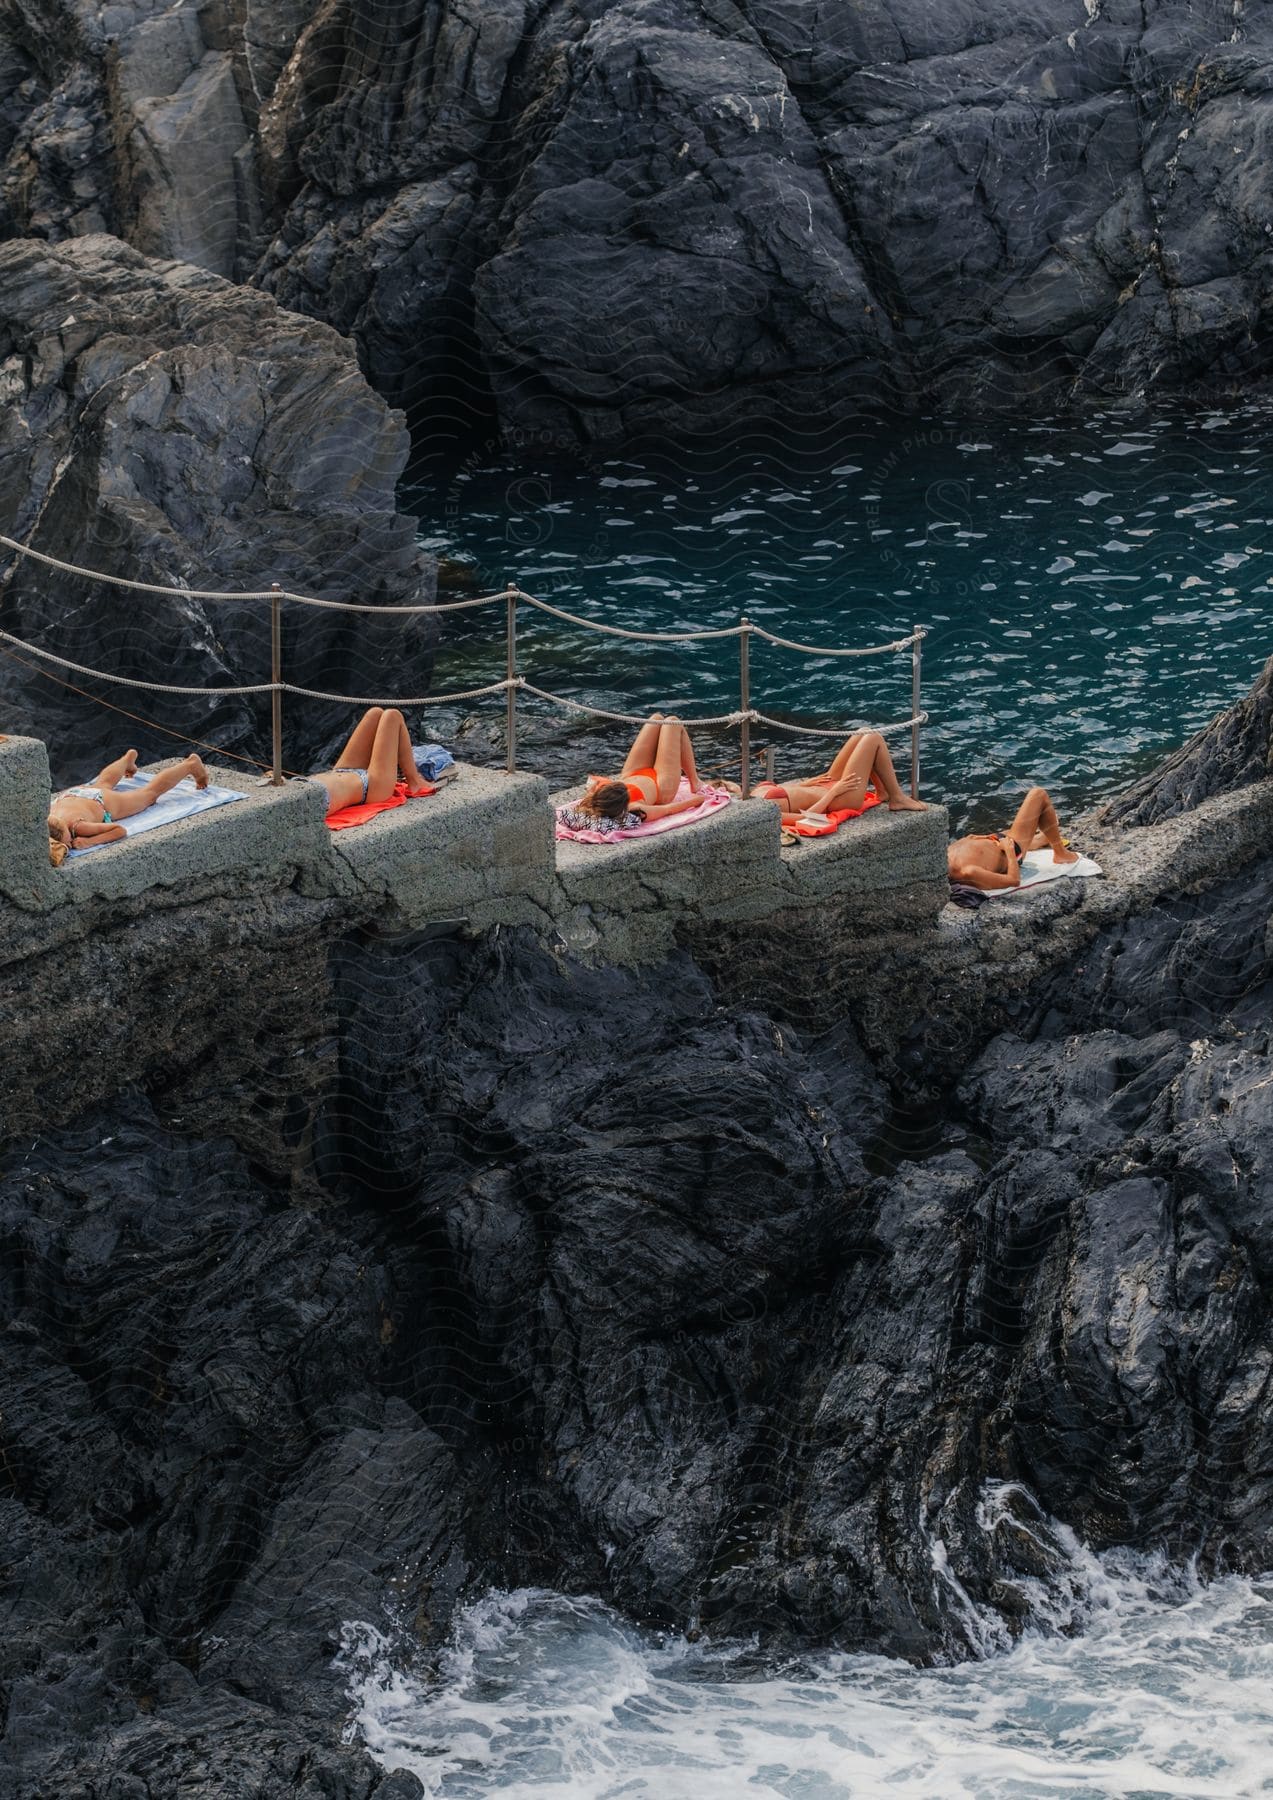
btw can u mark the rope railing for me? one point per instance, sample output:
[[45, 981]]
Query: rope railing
[[743, 718]]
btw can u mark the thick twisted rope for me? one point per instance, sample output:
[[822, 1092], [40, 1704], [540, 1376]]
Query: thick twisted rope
[[150, 687], [184, 593], [599, 712], [261, 687], [823, 650], [494, 687], [621, 631], [442, 606], [835, 731]]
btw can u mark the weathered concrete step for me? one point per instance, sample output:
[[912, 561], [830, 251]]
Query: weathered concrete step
[[631, 900], [480, 849]]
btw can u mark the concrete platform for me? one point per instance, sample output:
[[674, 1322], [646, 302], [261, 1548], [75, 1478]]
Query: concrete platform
[[625, 901], [267, 841], [631, 901], [480, 849], [892, 866], [480, 852]]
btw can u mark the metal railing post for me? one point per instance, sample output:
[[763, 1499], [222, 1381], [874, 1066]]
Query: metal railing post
[[510, 674], [916, 658], [744, 702], [769, 763], [276, 676]]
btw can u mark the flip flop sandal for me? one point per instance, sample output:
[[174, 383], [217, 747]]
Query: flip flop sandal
[[787, 837]]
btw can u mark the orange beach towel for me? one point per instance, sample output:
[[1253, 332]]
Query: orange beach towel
[[835, 818], [345, 816]]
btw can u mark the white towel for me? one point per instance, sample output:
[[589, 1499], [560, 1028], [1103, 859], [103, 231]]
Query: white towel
[[178, 803], [1038, 866]]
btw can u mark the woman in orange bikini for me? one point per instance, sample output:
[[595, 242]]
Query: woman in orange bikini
[[863, 761], [993, 860], [646, 786]]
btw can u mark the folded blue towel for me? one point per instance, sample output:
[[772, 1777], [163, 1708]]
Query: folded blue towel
[[431, 759]]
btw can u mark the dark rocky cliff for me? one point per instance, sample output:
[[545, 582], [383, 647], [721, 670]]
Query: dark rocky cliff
[[665, 216], [358, 1279], [1235, 749], [166, 426]]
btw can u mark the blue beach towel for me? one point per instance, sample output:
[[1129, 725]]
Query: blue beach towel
[[179, 802]]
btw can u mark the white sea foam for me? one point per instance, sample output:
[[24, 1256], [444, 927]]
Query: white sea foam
[[1138, 1683]]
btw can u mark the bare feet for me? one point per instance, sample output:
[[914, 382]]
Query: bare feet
[[197, 769], [130, 762], [904, 803], [1065, 856]]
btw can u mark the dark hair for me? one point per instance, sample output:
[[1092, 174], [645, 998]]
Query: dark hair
[[608, 800]]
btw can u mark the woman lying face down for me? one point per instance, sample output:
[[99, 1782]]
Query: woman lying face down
[[646, 786]]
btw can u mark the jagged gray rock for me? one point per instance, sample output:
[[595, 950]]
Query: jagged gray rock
[[1235, 749], [527, 1273], [669, 216], [192, 1379], [162, 424]]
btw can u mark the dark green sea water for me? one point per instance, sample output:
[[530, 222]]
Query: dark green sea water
[[1094, 591]]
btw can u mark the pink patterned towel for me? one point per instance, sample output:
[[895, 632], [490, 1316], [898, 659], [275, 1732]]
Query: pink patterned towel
[[713, 800]]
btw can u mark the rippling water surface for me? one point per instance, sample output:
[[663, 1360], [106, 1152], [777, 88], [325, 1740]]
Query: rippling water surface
[[1167, 1690], [1094, 591]]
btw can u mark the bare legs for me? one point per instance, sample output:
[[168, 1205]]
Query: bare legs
[[862, 761], [882, 774], [1036, 825], [358, 745], [135, 800], [116, 771], [664, 746], [391, 755], [645, 745], [381, 744]]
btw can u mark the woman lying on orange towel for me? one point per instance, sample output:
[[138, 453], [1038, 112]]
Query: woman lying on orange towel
[[861, 763], [645, 787], [378, 748]]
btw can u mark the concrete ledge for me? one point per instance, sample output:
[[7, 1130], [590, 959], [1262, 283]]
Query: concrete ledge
[[625, 901], [27, 879], [632, 900], [882, 861], [480, 849], [263, 843]]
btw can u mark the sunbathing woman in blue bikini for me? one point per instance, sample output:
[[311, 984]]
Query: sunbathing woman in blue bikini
[[379, 747], [81, 816]]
